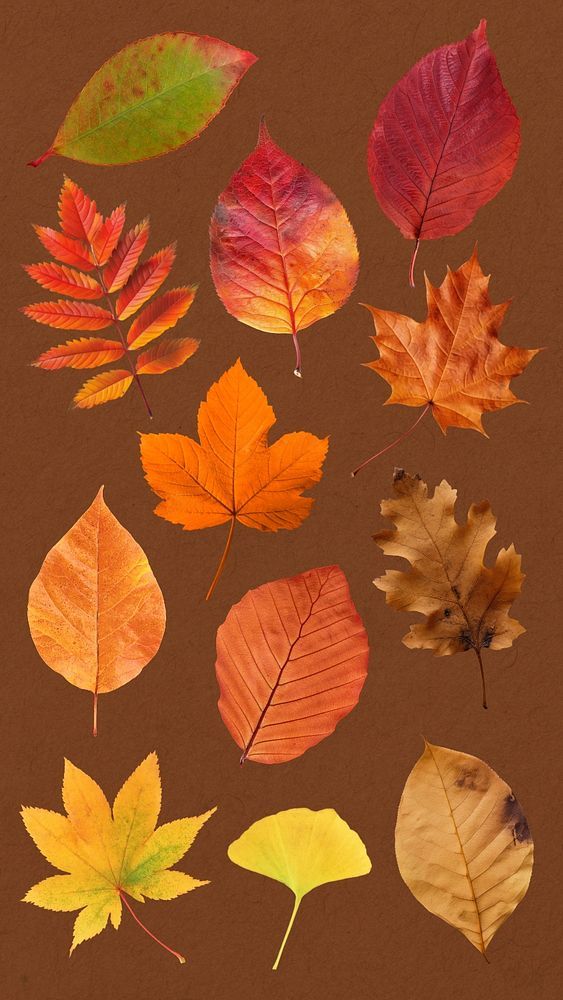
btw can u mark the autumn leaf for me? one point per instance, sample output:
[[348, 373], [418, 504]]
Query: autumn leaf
[[445, 141], [292, 659], [96, 613], [462, 843], [453, 363], [151, 97], [283, 251], [466, 603], [110, 856], [302, 849], [89, 242], [233, 474]]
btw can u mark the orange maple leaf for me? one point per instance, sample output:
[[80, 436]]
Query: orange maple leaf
[[453, 362], [233, 475]]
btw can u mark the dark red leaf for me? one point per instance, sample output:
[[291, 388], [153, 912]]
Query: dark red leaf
[[445, 141]]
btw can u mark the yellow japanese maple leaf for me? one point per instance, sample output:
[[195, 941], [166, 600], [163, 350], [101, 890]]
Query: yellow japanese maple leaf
[[107, 854]]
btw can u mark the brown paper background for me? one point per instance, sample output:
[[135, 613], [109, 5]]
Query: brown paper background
[[323, 70]]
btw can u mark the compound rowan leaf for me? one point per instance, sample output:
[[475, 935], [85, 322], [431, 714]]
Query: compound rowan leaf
[[283, 251], [67, 250], [65, 280], [466, 603], [144, 282], [165, 356], [90, 241], [452, 363], [160, 315], [64, 315], [445, 141], [302, 849], [292, 659], [126, 257], [151, 97], [233, 475], [83, 353], [462, 843], [103, 388], [96, 613], [109, 856]]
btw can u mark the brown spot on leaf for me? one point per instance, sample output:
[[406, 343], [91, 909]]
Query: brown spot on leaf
[[473, 778], [513, 817], [109, 86]]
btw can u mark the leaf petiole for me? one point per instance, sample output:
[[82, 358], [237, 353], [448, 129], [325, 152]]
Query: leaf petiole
[[176, 954], [393, 443], [286, 935], [413, 262], [481, 668], [221, 565]]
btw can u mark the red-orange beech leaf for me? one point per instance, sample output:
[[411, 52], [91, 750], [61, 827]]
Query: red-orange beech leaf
[[283, 251], [445, 141], [145, 281], [166, 355], [78, 213], [65, 249], [234, 474], [91, 242], [88, 352], [126, 257], [65, 280], [292, 658], [65, 315], [107, 236], [103, 388], [159, 316]]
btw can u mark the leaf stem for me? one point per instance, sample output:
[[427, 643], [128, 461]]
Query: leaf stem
[[413, 261], [392, 445], [176, 954], [117, 324], [95, 722], [481, 668], [297, 370], [221, 565], [41, 159], [286, 935]]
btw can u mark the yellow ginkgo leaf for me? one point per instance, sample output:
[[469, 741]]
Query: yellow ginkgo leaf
[[109, 856], [462, 843], [302, 849]]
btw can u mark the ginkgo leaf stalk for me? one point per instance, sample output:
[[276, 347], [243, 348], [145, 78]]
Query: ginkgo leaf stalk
[[287, 932], [176, 954], [393, 443]]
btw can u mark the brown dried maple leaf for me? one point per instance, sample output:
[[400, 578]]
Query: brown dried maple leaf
[[453, 362], [465, 602]]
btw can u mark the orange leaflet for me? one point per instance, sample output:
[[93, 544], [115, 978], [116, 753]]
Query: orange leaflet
[[452, 363], [283, 251], [96, 613], [90, 242], [233, 475], [292, 659]]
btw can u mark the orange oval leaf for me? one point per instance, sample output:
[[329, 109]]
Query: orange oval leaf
[[96, 613], [292, 659], [65, 315], [146, 280], [64, 280], [166, 355], [283, 251], [160, 315], [88, 352], [103, 388]]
